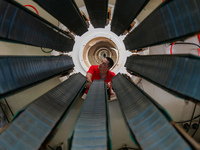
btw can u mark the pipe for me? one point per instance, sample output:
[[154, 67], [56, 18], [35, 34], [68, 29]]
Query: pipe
[[198, 35], [188, 44], [192, 117], [33, 8], [198, 116], [196, 128], [171, 47]]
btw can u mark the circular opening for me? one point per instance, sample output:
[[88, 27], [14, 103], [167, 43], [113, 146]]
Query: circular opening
[[97, 49]]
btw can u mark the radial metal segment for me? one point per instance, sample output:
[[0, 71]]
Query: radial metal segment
[[67, 13], [97, 11], [148, 125], [16, 25], [29, 130], [173, 20], [91, 130], [19, 72], [178, 74], [124, 14]]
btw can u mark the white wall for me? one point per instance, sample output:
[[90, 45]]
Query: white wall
[[178, 108], [176, 49], [8, 48]]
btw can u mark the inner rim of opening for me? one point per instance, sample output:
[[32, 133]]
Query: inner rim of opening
[[97, 49]]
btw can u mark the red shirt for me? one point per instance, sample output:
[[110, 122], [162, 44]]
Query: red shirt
[[95, 74]]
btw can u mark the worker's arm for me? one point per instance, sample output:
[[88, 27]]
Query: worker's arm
[[89, 78], [110, 88]]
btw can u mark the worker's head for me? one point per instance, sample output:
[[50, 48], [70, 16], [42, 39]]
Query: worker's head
[[106, 64]]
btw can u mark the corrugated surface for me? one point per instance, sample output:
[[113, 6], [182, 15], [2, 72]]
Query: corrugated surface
[[124, 14], [67, 13], [19, 26], [173, 20], [90, 130], [149, 126], [30, 129], [21, 71], [178, 74], [97, 11]]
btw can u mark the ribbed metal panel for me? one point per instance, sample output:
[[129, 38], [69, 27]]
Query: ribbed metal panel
[[178, 74], [97, 11], [19, 26], [175, 19], [31, 127], [90, 131], [67, 12], [149, 126], [18, 72], [124, 14]]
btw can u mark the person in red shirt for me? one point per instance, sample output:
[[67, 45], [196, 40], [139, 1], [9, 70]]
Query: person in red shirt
[[101, 72]]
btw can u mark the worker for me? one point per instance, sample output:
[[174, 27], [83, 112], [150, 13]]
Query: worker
[[101, 72]]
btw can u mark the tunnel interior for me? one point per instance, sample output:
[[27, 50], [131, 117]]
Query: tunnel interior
[[47, 48]]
